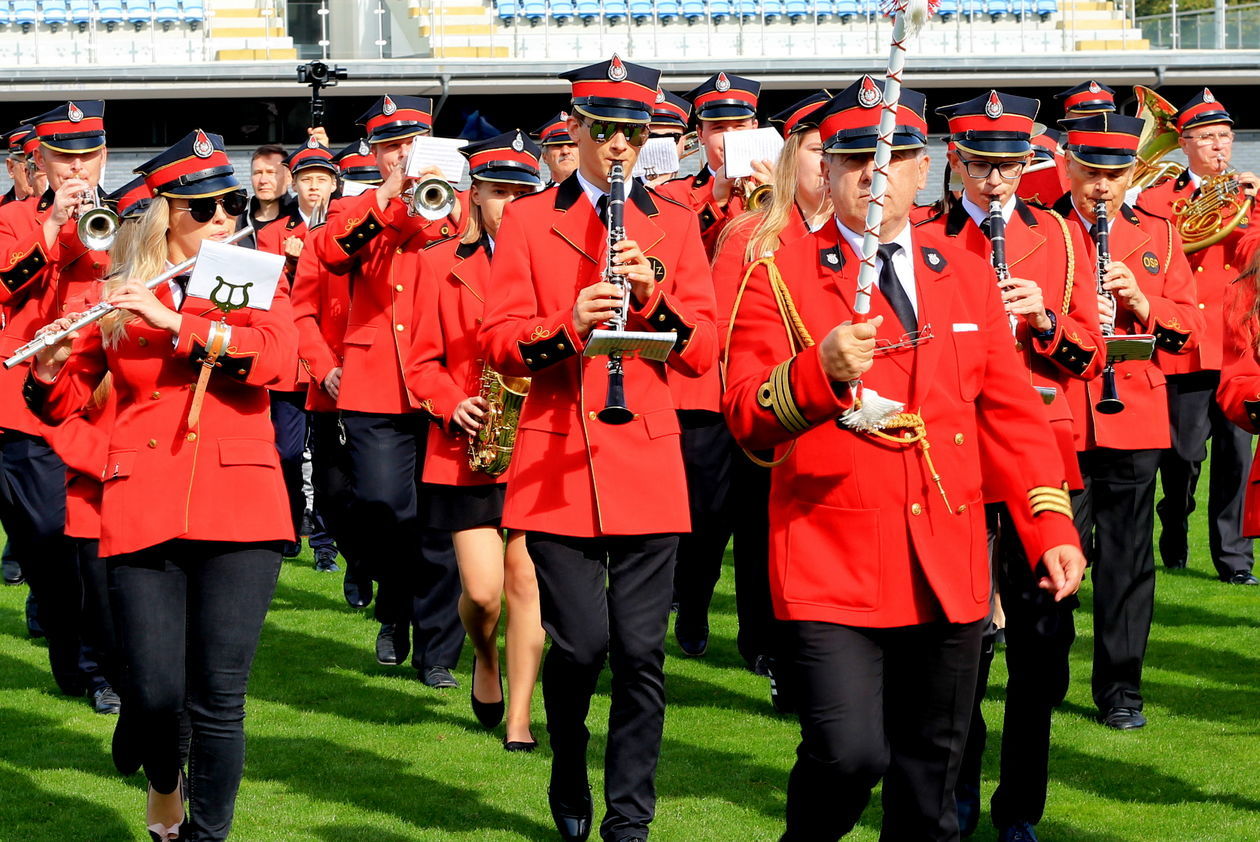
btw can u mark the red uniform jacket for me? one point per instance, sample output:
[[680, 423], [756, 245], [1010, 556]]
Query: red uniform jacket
[[1044, 186], [859, 532], [1151, 247], [321, 307], [572, 474], [362, 242], [696, 192], [271, 238], [1213, 268], [82, 442], [446, 359], [1239, 391], [1041, 247], [220, 482], [37, 286]]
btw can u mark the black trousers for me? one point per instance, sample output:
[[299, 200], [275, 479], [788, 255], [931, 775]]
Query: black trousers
[[607, 598], [1115, 517], [706, 446], [415, 565], [891, 703], [759, 632], [1039, 637], [33, 513], [288, 417], [1196, 417], [98, 647], [188, 616]]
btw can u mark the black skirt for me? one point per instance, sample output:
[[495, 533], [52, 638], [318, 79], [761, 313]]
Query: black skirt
[[458, 507]]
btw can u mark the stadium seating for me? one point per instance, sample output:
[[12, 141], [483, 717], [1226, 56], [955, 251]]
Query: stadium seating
[[845, 10], [534, 11], [505, 11], [719, 11], [6, 13], [797, 10], [24, 14], [55, 14], [667, 11], [615, 12], [947, 10], [139, 12], [997, 9], [166, 12], [694, 11], [81, 13], [194, 13], [588, 11], [562, 11], [771, 10]]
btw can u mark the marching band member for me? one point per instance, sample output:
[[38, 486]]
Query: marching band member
[[46, 270], [601, 504], [1239, 391], [1153, 292], [1206, 137], [357, 163], [192, 576], [16, 165], [559, 152], [445, 374], [1050, 291], [670, 117], [878, 552], [384, 429]]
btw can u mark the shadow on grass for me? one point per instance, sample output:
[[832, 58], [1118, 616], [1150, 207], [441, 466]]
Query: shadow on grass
[[44, 815], [1174, 615], [379, 784], [1121, 780], [357, 833]]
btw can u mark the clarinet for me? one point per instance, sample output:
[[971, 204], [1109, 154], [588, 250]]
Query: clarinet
[[615, 410], [997, 238], [1109, 403]]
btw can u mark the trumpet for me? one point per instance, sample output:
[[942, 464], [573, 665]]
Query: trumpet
[[431, 198], [103, 308], [1109, 403], [98, 225]]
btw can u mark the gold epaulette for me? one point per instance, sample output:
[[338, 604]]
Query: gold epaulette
[[1046, 498]]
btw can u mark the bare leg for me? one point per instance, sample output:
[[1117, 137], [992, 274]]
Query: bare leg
[[479, 552], [525, 636]]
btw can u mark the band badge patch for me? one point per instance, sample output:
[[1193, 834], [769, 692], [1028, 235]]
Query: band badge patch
[[934, 259], [658, 268], [831, 258], [1150, 263]]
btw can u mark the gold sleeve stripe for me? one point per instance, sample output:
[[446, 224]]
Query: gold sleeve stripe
[[1045, 498], [781, 401]]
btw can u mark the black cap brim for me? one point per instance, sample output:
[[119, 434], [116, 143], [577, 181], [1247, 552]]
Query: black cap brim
[[368, 177], [397, 133], [506, 176], [903, 138], [1101, 158], [617, 110], [213, 186], [326, 166], [1208, 119], [725, 112], [671, 121], [1004, 148], [75, 145]]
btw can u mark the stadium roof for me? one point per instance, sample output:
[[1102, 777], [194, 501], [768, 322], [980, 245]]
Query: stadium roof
[[488, 76]]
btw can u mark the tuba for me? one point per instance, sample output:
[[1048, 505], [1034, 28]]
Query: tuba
[[1158, 138], [490, 450]]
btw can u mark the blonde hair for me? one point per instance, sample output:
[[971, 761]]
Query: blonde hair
[[475, 225], [772, 218], [140, 251]]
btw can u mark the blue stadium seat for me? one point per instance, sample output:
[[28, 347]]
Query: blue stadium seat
[[870, 8], [194, 13], [110, 12], [797, 10], [997, 9], [589, 11], [846, 10], [771, 10], [719, 11], [80, 13], [562, 11], [24, 14], [694, 11], [6, 13], [947, 9], [615, 11], [505, 11], [667, 11], [641, 11], [166, 12], [139, 12], [55, 14], [534, 11], [748, 10], [971, 9], [1046, 8]]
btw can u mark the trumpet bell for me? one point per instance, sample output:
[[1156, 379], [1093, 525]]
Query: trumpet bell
[[760, 197], [432, 198], [98, 228]]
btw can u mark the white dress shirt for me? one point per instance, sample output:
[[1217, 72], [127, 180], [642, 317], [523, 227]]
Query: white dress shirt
[[903, 260]]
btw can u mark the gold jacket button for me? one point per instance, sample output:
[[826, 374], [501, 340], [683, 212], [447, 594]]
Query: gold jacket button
[[142, 342], [398, 288], [916, 509], [400, 328], [1200, 269], [962, 508], [155, 396], [191, 437], [958, 438], [591, 415], [1202, 306], [398, 250], [152, 442]]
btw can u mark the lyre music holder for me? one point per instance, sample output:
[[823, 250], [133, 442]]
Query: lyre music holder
[[645, 344]]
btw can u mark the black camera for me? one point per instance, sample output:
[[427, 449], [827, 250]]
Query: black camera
[[317, 74]]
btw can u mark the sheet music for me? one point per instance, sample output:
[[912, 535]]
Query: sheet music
[[742, 148], [658, 157], [355, 188], [440, 152], [235, 277]]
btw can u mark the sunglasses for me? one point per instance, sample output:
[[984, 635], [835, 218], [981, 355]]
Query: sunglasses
[[202, 209], [636, 134]]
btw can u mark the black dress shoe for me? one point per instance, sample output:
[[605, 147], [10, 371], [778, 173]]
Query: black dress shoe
[[571, 808], [33, 628], [291, 549], [692, 639], [358, 591], [393, 643], [1243, 577], [1021, 832], [12, 572], [489, 714], [520, 745], [439, 678], [1124, 719], [1175, 564], [105, 700]]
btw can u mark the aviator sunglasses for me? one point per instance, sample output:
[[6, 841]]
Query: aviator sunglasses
[[602, 131]]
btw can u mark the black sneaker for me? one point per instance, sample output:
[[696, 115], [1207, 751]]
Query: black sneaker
[[326, 561], [393, 644], [105, 700], [439, 678]]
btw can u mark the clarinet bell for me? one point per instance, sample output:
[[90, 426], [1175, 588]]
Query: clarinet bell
[[1110, 403], [615, 410]]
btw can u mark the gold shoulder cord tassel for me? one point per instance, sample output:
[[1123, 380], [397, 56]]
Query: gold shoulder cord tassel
[[914, 431], [216, 344]]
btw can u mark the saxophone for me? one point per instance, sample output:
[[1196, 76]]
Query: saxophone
[[490, 450]]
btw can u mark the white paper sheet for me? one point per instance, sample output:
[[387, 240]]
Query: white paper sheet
[[657, 157], [440, 152], [355, 188], [234, 277], [742, 148]]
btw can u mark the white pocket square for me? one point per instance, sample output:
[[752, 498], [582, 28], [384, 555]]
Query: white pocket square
[[965, 327]]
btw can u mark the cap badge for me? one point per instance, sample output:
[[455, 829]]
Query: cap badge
[[1093, 87], [202, 147], [869, 95], [564, 115], [616, 69], [364, 149], [993, 108], [518, 145], [1207, 96], [74, 113], [660, 95], [387, 106], [312, 144], [722, 85]]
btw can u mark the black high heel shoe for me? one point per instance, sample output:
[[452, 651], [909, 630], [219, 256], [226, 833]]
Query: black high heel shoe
[[489, 714], [159, 832]]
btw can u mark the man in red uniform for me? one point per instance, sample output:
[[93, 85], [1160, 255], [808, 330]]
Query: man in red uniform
[[1149, 291], [559, 152], [602, 505], [1051, 298], [357, 163], [878, 551], [45, 272], [1207, 140], [384, 430], [17, 166]]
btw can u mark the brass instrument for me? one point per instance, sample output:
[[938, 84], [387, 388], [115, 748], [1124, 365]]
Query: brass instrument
[[690, 145], [1158, 138], [1109, 403], [431, 198], [319, 215], [98, 225], [1211, 216], [757, 196], [490, 450]]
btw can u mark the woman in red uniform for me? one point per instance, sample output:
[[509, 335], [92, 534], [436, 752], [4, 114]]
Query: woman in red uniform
[[193, 511], [444, 374]]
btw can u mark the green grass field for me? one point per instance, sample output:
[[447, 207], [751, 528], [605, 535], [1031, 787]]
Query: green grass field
[[344, 750]]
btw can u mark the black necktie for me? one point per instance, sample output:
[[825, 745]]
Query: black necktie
[[986, 227], [890, 286], [601, 209]]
